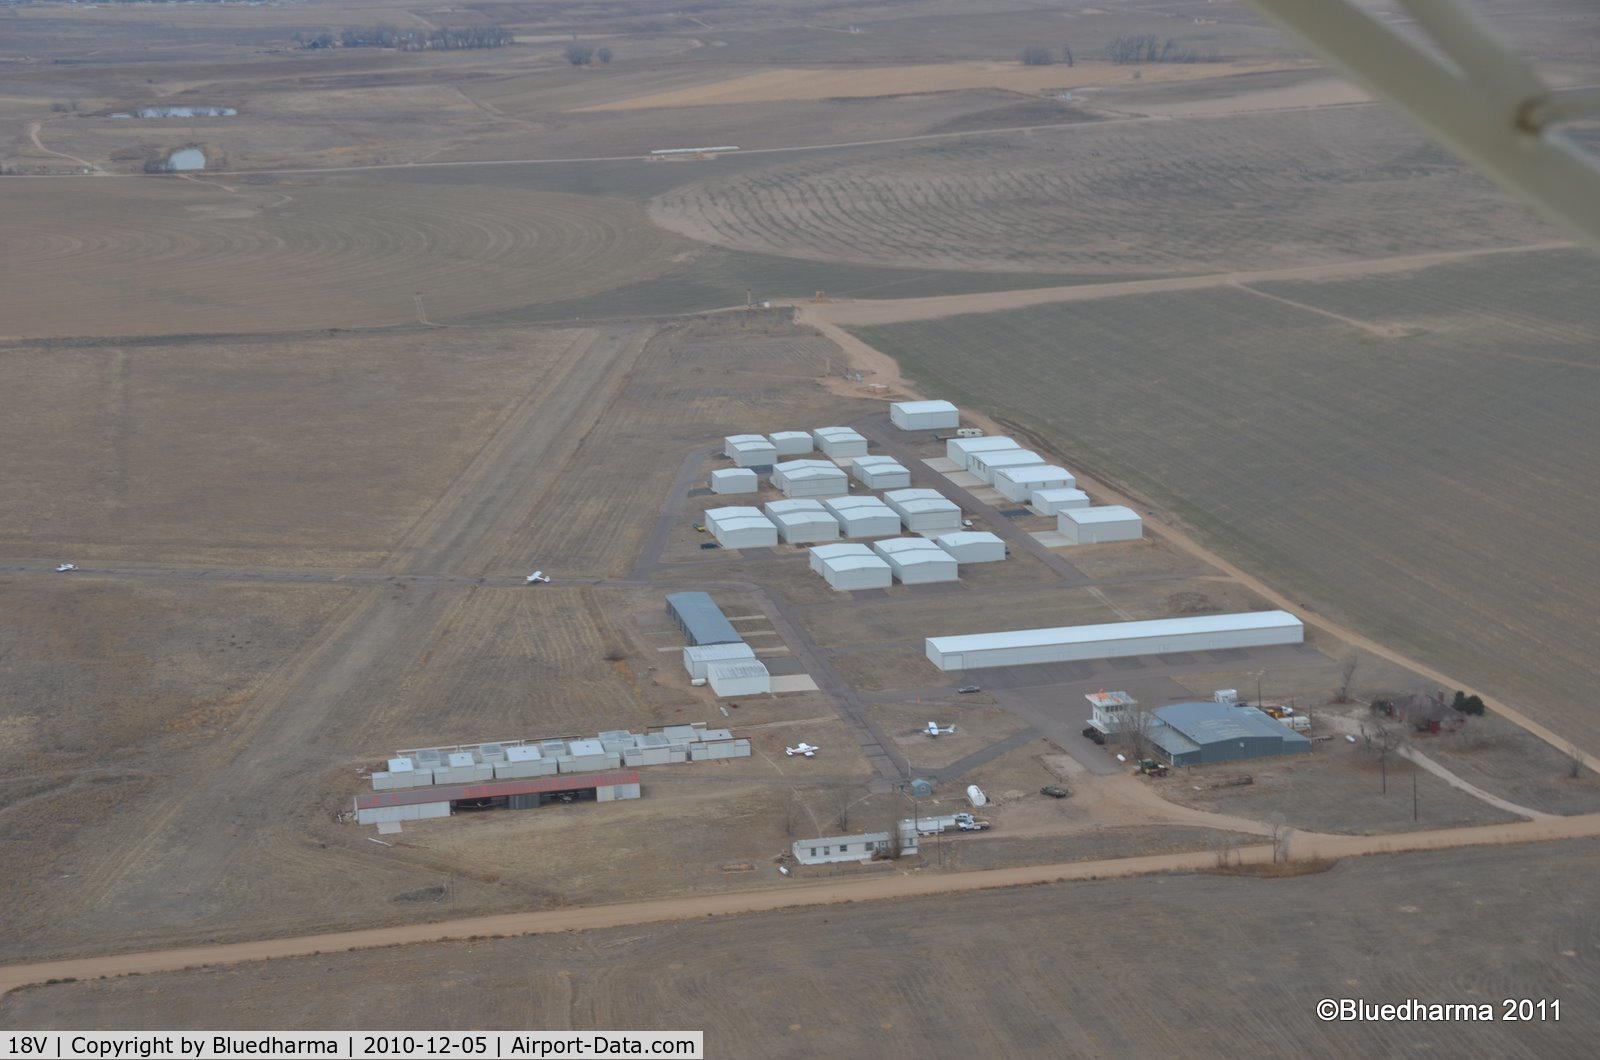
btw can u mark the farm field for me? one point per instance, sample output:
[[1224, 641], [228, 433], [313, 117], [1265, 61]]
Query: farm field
[[1034, 971], [1429, 436], [1201, 195]]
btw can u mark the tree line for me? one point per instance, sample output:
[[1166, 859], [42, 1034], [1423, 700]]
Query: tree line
[[410, 40], [1139, 48]]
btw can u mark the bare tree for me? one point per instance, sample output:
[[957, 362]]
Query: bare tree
[[1066, 54], [842, 819], [1226, 849], [1280, 840], [789, 815], [1135, 729], [1037, 55], [1347, 672], [603, 54], [580, 54]]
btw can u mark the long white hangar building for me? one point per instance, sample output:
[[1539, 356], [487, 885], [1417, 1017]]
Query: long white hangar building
[[1113, 640]]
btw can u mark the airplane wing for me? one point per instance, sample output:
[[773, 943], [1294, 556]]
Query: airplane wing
[[1462, 85]]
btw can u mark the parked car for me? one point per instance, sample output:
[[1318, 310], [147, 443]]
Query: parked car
[[1054, 792], [965, 689], [1094, 734]]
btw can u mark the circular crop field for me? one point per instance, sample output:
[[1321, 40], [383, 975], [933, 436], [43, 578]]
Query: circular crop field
[[134, 256], [1159, 196]]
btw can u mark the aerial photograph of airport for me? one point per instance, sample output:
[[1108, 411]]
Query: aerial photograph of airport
[[800, 528]]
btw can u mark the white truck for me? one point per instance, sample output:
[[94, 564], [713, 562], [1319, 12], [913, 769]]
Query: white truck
[[957, 822]]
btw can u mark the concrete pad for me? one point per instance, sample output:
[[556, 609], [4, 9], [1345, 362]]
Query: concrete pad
[[793, 683], [1051, 538], [942, 464], [965, 478], [388, 827], [989, 495]]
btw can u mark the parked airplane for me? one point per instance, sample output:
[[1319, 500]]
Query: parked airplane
[[804, 749], [537, 576], [933, 729], [62, 568]]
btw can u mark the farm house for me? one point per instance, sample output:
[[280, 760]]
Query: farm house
[[839, 443], [1052, 501], [750, 450], [985, 465], [791, 443], [1108, 522], [881, 473], [850, 567], [972, 546], [741, 527], [802, 522], [962, 449], [734, 480], [864, 516], [1114, 640], [924, 511], [917, 561], [924, 415], [1018, 483]]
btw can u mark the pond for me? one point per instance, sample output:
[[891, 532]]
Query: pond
[[186, 159]]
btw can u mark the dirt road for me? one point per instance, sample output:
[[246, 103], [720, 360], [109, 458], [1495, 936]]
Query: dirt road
[[1303, 846]]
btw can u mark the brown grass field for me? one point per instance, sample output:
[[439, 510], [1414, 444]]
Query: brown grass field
[[1431, 442], [306, 420], [1040, 971]]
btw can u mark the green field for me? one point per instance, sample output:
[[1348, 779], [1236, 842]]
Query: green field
[[1435, 488]]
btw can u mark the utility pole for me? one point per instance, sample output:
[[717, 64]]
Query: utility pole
[[1413, 797]]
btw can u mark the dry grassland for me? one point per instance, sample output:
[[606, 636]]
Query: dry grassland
[[1200, 195], [260, 452], [1428, 487], [168, 256], [1040, 971], [773, 86]]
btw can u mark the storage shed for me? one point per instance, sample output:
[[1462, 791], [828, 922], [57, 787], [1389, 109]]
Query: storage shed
[[1114, 640], [739, 677], [700, 619], [853, 571], [864, 516], [696, 657], [972, 546], [985, 465], [791, 443], [917, 561], [810, 478], [1018, 483], [924, 511], [803, 522], [818, 554], [1051, 502], [881, 473], [839, 442], [751, 450], [734, 480], [924, 415], [741, 527], [1108, 522], [1194, 734], [960, 449]]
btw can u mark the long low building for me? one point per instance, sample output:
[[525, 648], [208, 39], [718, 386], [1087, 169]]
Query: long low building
[[961, 450], [917, 561], [840, 442], [985, 465], [1114, 640], [700, 619], [881, 473], [802, 522], [415, 804], [849, 567], [810, 478]]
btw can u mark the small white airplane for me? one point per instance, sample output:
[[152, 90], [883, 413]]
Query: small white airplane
[[933, 729], [537, 576], [804, 749], [62, 568]]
